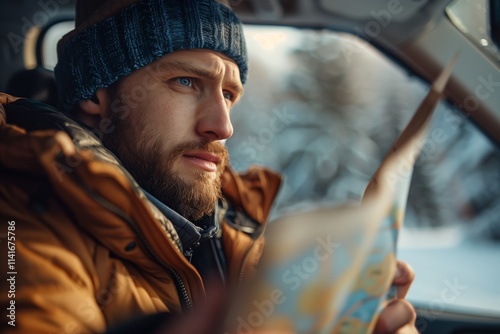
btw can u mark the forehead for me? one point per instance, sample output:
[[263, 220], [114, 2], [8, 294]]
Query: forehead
[[211, 61]]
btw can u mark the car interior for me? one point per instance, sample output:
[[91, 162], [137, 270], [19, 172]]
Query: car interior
[[331, 84]]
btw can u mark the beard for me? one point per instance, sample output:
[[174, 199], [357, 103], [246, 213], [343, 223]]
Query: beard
[[152, 166]]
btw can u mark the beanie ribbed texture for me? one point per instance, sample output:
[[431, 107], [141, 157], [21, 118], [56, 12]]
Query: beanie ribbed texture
[[140, 34]]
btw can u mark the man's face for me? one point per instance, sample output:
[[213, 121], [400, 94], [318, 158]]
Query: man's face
[[171, 119]]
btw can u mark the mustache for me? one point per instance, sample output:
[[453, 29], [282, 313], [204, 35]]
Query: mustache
[[214, 148]]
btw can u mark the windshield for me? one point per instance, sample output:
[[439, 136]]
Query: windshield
[[324, 108]]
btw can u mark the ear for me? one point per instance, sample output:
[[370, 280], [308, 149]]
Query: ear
[[97, 105]]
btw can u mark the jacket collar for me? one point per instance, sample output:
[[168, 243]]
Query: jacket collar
[[189, 233]]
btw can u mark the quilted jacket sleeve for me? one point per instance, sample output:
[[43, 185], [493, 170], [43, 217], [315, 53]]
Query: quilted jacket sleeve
[[50, 289], [44, 286]]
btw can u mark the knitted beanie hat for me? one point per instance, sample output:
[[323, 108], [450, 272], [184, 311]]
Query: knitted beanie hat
[[115, 38]]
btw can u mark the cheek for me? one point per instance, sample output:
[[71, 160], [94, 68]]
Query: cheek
[[161, 113], [166, 120], [161, 125], [172, 113]]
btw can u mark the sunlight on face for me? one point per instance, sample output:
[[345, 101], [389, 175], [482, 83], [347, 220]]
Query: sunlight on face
[[172, 118]]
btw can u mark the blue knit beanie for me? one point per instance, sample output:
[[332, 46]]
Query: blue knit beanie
[[96, 54]]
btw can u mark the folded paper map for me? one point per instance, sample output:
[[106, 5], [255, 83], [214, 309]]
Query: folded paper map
[[330, 270]]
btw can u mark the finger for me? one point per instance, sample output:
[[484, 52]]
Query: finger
[[403, 279], [398, 314]]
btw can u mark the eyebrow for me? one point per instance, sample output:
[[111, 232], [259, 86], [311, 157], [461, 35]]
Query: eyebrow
[[203, 72]]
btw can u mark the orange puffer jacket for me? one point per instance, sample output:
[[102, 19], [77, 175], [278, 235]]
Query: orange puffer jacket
[[82, 249]]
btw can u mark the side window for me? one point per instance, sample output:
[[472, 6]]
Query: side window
[[323, 108], [36, 81], [49, 43]]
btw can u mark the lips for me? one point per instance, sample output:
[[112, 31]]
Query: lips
[[204, 156], [203, 160]]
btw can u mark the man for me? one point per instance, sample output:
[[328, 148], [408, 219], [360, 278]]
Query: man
[[123, 205]]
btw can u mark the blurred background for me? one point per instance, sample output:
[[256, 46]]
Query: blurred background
[[324, 107]]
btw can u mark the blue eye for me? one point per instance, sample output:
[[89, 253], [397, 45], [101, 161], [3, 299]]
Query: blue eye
[[185, 81], [228, 96]]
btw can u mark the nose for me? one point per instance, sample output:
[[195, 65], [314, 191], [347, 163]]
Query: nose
[[214, 122]]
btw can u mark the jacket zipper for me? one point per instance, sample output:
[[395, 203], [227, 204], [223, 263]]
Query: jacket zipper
[[179, 284], [216, 252], [245, 259], [243, 266]]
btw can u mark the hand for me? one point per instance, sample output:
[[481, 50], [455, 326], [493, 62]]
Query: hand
[[399, 315]]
